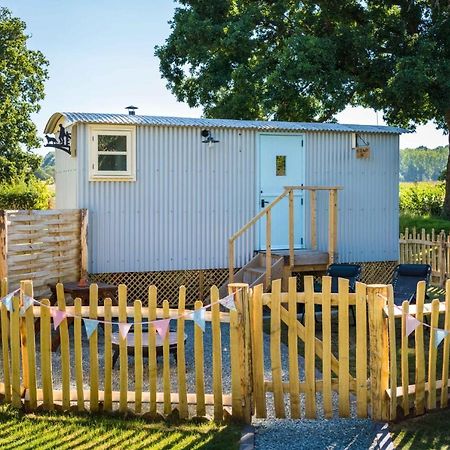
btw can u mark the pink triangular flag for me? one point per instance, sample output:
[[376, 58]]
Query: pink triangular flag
[[58, 317], [228, 302], [411, 324], [161, 326], [124, 328]]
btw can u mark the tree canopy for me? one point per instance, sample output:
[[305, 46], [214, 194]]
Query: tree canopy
[[22, 76], [422, 163], [307, 61]]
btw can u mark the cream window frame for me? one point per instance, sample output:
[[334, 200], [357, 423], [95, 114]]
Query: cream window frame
[[112, 175]]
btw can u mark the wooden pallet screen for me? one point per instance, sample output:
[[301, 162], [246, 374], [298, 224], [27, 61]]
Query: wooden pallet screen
[[147, 380], [427, 248], [45, 246]]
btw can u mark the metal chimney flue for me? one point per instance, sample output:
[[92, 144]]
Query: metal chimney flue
[[131, 110]]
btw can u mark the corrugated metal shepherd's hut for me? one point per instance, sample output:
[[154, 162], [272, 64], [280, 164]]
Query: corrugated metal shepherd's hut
[[166, 194]]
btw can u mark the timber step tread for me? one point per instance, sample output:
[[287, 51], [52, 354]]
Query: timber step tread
[[303, 257]]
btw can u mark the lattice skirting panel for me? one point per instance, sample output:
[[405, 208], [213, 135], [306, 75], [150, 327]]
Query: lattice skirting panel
[[197, 283], [376, 272]]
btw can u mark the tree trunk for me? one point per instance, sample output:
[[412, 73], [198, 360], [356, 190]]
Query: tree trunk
[[446, 208]]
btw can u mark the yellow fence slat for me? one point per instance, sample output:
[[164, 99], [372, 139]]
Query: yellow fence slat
[[123, 351], [64, 348], [181, 355], [236, 393], [258, 352], [15, 353], [275, 354], [420, 352], [310, 356], [361, 350], [446, 349], [199, 366], [216, 354], [108, 355], [78, 353], [27, 289], [326, 355], [5, 342], [392, 355], [293, 350], [166, 364], [138, 362], [152, 368], [432, 355], [46, 355], [93, 349], [405, 361], [343, 344]]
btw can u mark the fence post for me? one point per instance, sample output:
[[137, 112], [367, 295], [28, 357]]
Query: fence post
[[84, 214], [244, 353], [377, 295], [442, 258], [3, 245]]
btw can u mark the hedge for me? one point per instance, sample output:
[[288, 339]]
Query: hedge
[[33, 194]]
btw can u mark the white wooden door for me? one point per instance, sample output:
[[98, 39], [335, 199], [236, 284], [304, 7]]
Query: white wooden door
[[282, 163]]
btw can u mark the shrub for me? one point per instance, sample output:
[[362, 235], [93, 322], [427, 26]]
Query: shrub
[[422, 198], [33, 194]]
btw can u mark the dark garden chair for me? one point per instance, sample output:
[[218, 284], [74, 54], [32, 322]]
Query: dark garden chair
[[405, 279], [351, 272]]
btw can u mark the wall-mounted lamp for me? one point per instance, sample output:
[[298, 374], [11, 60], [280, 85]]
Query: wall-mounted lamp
[[208, 138]]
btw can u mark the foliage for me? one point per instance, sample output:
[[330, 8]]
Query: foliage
[[426, 432], [22, 76], [422, 198], [47, 169], [427, 222], [422, 163], [308, 60], [65, 431], [33, 194]]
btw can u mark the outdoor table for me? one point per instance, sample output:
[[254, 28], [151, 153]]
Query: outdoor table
[[115, 339], [75, 289]]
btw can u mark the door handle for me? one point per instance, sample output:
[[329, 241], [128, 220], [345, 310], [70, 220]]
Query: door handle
[[264, 203]]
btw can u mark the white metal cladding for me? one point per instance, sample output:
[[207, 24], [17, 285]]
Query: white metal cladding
[[127, 119], [187, 200], [368, 204], [65, 180]]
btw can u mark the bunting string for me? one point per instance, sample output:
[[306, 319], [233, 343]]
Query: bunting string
[[161, 325], [412, 323]]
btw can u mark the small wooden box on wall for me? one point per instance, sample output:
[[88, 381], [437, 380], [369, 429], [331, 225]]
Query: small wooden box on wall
[[362, 152]]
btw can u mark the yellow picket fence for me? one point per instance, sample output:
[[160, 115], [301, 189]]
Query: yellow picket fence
[[426, 248], [29, 365], [309, 344]]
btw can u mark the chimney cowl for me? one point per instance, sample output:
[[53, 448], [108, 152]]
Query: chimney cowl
[[131, 110]]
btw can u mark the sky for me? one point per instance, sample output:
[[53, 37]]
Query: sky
[[101, 55]]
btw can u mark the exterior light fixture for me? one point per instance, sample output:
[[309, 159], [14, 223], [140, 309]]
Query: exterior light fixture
[[208, 138]]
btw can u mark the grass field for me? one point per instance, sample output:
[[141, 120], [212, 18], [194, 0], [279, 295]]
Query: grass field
[[423, 433], [57, 431], [428, 222]]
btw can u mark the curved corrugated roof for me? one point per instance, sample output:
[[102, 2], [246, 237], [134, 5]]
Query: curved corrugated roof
[[126, 119]]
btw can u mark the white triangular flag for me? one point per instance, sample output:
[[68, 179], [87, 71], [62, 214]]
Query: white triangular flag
[[411, 324], [124, 328], [228, 302]]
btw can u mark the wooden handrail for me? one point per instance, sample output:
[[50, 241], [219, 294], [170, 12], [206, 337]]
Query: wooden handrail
[[289, 191]]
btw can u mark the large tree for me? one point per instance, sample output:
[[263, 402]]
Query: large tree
[[22, 76], [306, 61]]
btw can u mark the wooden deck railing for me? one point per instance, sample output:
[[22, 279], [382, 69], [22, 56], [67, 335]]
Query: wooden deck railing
[[267, 213]]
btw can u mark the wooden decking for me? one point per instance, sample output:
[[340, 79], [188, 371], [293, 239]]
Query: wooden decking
[[304, 258]]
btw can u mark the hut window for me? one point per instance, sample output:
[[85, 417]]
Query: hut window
[[280, 165], [112, 154]]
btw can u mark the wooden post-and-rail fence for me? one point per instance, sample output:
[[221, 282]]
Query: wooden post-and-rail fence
[[373, 363]]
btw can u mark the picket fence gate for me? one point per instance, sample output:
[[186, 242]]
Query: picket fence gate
[[325, 353]]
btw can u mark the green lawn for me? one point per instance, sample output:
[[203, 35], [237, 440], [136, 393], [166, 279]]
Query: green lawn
[[428, 222], [426, 432], [63, 431]]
